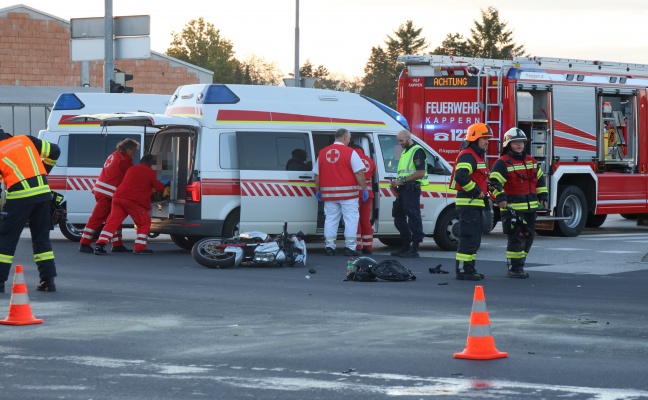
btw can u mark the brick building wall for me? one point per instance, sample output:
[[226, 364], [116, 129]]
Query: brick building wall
[[36, 52]]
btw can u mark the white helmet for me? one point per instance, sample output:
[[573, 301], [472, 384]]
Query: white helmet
[[514, 134]]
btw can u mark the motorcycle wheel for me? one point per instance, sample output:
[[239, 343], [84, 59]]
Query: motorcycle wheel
[[206, 253]]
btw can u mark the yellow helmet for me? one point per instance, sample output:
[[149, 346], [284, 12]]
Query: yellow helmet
[[476, 131]]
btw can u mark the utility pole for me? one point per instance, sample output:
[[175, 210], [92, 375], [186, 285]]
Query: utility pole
[[109, 66], [297, 78]]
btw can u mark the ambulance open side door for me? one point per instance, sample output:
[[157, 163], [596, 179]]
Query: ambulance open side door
[[277, 181]]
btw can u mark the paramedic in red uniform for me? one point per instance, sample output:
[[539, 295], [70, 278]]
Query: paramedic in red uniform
[[25, 162], [110, 177], [132, 198], [338, 172], [518, 184], [365, 230]]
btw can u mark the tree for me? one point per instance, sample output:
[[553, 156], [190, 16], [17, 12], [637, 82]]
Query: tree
[[408, 40], [380, 80], [453, 45], [255, 70], [490, 39], [201, 44], [382, 69]]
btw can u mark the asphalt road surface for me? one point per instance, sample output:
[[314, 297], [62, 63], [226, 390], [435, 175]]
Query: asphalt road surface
[[123, 326]]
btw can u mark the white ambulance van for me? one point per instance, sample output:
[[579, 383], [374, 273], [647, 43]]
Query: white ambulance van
[[225, 148], [85, 146]]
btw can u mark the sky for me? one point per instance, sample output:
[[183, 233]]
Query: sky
[[339, 34]]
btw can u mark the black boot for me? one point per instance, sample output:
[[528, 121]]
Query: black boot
[[100, 250], [412, 252], [46, 285], [406, 247], [467, 272]]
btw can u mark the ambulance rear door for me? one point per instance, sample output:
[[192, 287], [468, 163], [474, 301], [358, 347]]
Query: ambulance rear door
[[173, 144], [274, 191]]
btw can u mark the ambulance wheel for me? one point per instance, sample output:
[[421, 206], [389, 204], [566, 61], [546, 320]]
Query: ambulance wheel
[[595, 221], [185, 242], [206, 254], [446, 232], [71, 231], [391, 242], [572, 204], [231, 226]]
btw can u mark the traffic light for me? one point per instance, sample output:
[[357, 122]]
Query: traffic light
[[119, 84]]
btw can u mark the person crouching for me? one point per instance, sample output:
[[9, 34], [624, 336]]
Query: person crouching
[[132, 198]]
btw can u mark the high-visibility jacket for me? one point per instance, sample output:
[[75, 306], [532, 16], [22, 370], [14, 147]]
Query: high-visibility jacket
[[517, 180], [370, 169], [406, 166], [469, 178], [24, 164], [337, 181], [138, 185], [112, 174]]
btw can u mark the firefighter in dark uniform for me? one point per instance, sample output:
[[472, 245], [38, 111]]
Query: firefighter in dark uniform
[[519, 188], [470, 179], [25, 162], [412, 174]]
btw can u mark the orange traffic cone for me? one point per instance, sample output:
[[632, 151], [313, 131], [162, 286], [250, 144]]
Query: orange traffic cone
[[480, 344], [19, 309]]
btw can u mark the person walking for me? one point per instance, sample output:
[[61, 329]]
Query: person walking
[[338, 172], [411, 174], [519, 188], [132, 198], [25, 162], [364, 236], [111, 176], [470, 180]]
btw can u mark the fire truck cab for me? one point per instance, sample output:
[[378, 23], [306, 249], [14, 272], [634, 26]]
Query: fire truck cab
[[225, 150], [586, 124], [86, 145]]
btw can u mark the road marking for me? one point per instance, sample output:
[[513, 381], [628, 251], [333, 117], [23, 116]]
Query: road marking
[[278, 379], [590, 268]]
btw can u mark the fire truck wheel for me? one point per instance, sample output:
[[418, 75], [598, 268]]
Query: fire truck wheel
[[572, 204], [595, 221], [185, 242], [71, 231], [391, 242], [206, 253], [446, 232], [629, 216]]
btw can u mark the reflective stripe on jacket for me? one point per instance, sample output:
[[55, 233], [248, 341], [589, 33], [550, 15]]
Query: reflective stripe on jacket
[[406, 165]]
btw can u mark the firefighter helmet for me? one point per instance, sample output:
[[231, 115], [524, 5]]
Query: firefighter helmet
[[476, 131], [514, 134]]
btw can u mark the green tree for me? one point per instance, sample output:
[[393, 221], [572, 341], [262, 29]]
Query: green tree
[[380, 79], [201, 44], [453, 45], [491, 39], [382, 69], [255, 70]]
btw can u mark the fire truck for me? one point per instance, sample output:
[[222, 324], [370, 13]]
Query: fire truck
[[586, 124]]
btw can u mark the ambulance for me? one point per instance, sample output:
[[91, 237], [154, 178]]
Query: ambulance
[[225, 148], [86, 145]]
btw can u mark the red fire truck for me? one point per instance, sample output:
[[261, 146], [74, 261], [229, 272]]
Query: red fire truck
[[587, 124]]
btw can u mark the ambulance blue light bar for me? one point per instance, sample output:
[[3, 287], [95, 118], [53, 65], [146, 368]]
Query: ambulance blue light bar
[[389, 111], [217, 94], [68, 101]]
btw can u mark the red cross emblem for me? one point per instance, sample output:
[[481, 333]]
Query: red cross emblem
[[332, 155], [109, 161], [366, 163]]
